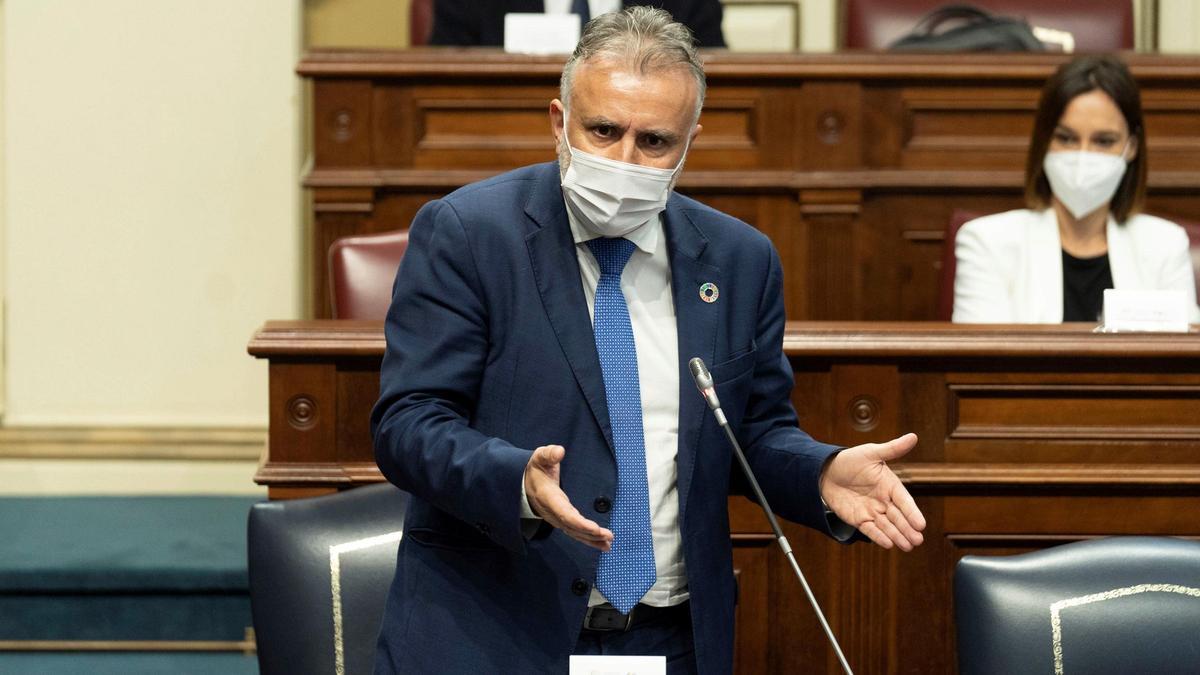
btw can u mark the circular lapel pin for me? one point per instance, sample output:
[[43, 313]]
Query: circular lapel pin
[[709, 292]]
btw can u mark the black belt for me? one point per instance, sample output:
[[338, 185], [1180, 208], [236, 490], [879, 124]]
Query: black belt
[[608, 618]]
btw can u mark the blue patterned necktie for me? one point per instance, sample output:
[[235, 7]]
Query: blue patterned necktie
[[626, 571], [580, 7]]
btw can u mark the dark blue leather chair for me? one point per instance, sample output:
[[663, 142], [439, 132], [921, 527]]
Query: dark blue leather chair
[[320, 569], [1114, 605]]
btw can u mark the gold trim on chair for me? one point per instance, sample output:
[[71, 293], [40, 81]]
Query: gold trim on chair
[[1056, 609], [335, 587]]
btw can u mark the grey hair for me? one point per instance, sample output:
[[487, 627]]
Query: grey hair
[[647, 38]]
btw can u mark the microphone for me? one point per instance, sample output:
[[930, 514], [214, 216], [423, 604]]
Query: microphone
[[704, 382]]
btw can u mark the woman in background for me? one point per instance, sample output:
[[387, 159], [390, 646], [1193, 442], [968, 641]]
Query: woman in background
[[1085, 181]]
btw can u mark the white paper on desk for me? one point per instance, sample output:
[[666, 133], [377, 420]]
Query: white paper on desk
[[618, 665], [540, 33], [1155, 311]]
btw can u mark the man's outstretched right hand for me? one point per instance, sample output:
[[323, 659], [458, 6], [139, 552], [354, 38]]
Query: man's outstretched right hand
[[550, 503]]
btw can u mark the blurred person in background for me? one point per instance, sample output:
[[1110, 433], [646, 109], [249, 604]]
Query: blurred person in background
[[481, 22], [1085, 183]]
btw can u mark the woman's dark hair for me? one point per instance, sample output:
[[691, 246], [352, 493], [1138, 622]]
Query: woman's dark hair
[[1080, 76]]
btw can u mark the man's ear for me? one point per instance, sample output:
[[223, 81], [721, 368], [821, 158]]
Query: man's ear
[[557, 118], [695, 132]]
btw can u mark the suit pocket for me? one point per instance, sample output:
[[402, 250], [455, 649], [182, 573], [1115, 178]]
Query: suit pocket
[[452, 542], [436, 529], [734, 379], [734, 368]]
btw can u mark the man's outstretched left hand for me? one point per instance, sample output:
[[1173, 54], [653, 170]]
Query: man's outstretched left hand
[[859, 488]]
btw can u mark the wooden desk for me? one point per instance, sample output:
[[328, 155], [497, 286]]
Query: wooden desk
[[851, 163], [1030, 437]]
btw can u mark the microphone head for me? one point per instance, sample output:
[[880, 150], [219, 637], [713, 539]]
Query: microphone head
[[700, 373]]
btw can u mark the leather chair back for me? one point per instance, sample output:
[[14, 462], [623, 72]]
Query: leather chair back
[[320, 570], [420, 22], [1096, 25], [1114, 605], [361, 272]]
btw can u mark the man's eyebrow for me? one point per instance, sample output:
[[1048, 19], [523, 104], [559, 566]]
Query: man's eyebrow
[[599, 121], [665, 134]]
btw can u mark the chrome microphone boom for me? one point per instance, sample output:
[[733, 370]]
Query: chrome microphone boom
[[704, 382]]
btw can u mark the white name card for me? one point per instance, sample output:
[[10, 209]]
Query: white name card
[[540, 33], [1155, 311], [618, 665]]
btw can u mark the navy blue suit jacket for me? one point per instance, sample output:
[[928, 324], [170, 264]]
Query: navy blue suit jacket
[[490, 354]]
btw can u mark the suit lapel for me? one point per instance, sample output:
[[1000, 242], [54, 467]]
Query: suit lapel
[[556, 271], [696, 322]]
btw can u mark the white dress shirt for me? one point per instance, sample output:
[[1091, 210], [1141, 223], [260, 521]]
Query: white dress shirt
[[646, 283]]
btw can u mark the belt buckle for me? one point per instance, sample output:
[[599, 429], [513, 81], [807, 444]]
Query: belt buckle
[[587, 619], [629, 619]]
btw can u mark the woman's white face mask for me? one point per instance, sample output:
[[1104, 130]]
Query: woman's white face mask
[[1084, 181], [612, 198]]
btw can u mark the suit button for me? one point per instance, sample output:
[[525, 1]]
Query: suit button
[[602, 504], [579, 587], [482, 527]]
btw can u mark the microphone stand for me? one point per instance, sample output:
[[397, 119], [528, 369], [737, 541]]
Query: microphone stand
[[704, 382]]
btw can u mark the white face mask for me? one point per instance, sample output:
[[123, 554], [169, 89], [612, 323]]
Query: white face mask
[[612, 198], [1084, 181]]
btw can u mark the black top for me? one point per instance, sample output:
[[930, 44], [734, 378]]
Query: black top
[[481, 22], [1084, 281]]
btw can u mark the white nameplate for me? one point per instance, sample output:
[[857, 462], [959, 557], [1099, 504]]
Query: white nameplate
[[618, 665], [1157, 311], [540, 33]]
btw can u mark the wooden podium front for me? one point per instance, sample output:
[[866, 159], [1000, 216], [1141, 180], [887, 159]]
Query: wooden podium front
[[1031, 436], [851, 163]]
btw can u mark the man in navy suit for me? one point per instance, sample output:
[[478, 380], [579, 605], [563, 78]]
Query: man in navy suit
[[569, 488], [481, 22]]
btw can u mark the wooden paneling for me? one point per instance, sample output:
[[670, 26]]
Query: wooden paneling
[[341, 123], [1030, 436], [751, 561], [1074, 411], [985, 127], [851, 163]]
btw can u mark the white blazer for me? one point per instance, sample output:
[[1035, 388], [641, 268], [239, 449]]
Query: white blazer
[[1009, 267]]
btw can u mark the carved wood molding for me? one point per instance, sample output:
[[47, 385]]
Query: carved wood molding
[[491, 63], [1040, 411], [1171, 476], [133, 443], [318, 338], [317, 473], [862, 339], [829, 339], [1023, 540], [926, 180]]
